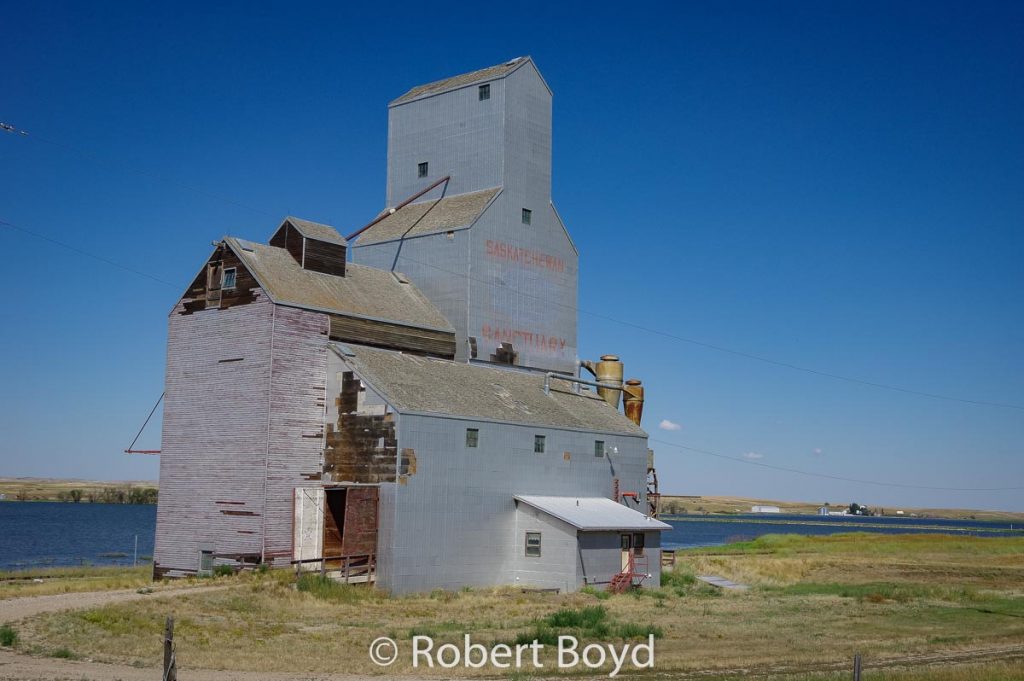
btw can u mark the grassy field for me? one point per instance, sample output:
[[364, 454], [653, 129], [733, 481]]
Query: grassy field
[[814, 603], [48, 581], [45, 489], [725, 504]]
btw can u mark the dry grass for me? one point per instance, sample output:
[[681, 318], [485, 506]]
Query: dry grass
[[815, 602], [67, 580]]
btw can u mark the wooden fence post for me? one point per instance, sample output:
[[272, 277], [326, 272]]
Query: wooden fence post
[[856, 667], [170, 664]]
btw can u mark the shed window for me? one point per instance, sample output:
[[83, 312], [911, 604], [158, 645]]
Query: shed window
[[538, 444], [527, 216], [638, 542], [533, 544], [229, 278], [484, 92], [598, 448], [472, 437], [422, 169]]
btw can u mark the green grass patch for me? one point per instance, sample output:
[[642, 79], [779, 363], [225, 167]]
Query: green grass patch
[[8, 636], [63, 654], [327, 589]]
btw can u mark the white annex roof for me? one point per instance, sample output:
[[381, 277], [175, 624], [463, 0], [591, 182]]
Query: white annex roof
[[594, 513]]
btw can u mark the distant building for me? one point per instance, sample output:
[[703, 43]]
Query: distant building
[[765, 509], [823, 510]]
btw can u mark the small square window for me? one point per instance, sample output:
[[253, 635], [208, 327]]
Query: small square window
[[422, 169], [229, 278], [538, 444], [598, 448], [472, 437], [533, 544], [638, 543], [484, 92], [527, 216]]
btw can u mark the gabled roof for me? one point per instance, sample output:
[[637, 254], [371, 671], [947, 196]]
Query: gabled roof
[[594, 513], [364, 292], [429, 217], [315, 230], [421, 385], [462, 80]]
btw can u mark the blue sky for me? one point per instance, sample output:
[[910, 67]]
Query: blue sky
[[838, 186]]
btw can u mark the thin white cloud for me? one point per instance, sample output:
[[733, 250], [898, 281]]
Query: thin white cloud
[[669, 425], [753, 456], [817, 451]]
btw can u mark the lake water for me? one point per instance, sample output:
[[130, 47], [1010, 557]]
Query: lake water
[[696, 531], [40, 533], [35, 534]]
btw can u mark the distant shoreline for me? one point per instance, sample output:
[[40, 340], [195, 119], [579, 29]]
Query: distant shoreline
[[727, 505], [72, 491]]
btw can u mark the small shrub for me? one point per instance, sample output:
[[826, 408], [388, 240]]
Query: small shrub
[[263, 568], [63, 653], [223, 570], [325, 588], [542, 634], [584, 618], [8, 636], [634, 630]]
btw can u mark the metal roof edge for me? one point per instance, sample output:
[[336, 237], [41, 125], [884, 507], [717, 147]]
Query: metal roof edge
[[427, 95], [466, 417], [558, 216], [358, 242], [657, 525]]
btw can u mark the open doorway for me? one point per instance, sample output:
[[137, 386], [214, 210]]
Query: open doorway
[[350, 527]]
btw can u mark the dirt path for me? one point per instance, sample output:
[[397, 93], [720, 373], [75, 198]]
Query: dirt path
[[12, 609]]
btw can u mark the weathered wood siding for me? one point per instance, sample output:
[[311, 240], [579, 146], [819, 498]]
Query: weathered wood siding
[[246, 288], [392, 336], [288, 238], [296, 429], [214, 448], [324, 257]]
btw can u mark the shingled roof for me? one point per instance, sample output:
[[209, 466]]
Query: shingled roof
[[315, 230], [364, 292], [415, 384], [455, 82], [429, 217]]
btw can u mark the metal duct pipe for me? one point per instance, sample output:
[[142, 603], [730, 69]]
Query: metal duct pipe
[[608, 372], [633, 400]]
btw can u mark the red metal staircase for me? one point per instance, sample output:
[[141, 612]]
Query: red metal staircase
[[635, 572]]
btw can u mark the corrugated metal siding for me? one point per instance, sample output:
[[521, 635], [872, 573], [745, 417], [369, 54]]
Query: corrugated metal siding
[[297, 397], [555, 568], [455, 133], [214, 441], [500, 281], [454, 520]]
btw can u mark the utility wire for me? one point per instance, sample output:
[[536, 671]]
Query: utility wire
[[88, 155], [719, 348], [6, 127], [75, 249], [737, 459]]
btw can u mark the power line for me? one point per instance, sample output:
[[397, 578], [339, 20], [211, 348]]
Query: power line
[[737, 459], [75, 249], [88, 155], [738, 353], [639, 327]]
